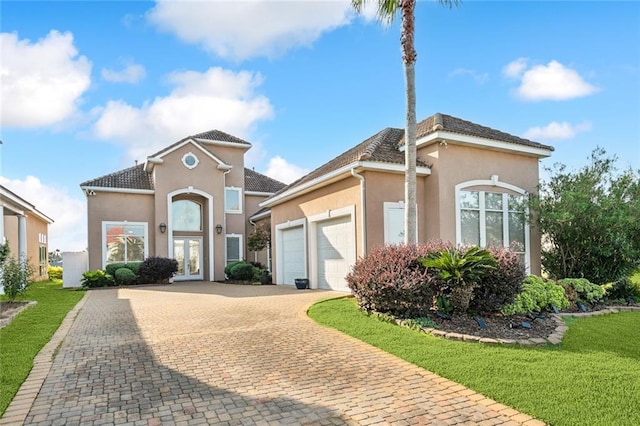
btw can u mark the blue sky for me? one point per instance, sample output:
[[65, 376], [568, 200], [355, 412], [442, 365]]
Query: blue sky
[[89, 87]]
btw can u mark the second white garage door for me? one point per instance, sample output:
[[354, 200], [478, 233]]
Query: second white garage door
[[335, 252]]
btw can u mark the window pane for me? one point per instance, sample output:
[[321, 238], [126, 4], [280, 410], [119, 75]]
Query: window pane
[[493, 201], [516, 231], [194, 257], [115, 249], [494, 229], [470, 226], [178, 255], [516, 202], [135, 249], [233, 249], [232, 200], [187, 215], [469, 200]]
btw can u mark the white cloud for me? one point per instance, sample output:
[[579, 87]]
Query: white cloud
[[284, 171], [553, 81], [41, 83], [516, 68], [480, 78], [216, 99], [242, 29], [69, 230], [132, 73], [556, 131]]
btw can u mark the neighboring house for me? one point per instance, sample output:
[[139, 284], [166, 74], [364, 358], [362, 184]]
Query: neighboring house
[[190, 201], [27, 231], [471, 184]]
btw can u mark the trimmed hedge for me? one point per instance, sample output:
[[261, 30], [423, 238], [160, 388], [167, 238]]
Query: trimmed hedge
[[111, 268], [157, 269], [55, 272], [97, 278], [125, 276], [241, 271], [586, 290]]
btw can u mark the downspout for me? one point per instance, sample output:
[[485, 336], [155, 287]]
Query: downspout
[[363, 216]]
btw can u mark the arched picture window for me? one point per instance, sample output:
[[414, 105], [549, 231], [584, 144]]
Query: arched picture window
[[187, 215]]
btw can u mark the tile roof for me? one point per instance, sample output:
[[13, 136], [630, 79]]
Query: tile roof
[[131, 178], [136, 178], [452, 124], [217, 135], [211, 135], [384, 145], [257, 182], [381, 147]]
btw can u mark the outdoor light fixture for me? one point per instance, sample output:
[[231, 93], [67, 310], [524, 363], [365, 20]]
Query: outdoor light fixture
[[163, 227], [219, 229]]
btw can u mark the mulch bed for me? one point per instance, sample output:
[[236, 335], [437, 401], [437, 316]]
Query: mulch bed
[[499, 326]]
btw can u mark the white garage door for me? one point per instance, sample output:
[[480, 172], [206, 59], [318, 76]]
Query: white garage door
[[336, 252], [293, 253]]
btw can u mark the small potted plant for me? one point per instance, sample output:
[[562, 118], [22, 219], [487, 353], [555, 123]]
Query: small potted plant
[[302, 283], [264, 277]]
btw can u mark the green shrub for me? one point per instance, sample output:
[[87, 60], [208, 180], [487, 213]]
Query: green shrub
[[55, 272], [587, 291], [157, 269], [537, 294], [500, 286], [460, 269], [111, 268], [124, 276], [390, 279], [14, 275], [97, 278], [242, 271], [623, 290], [227, 269]]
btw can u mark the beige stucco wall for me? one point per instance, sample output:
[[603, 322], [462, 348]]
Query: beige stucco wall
[[453, 164], [341, 194], [252, 206], [35, 227], [117, 207]]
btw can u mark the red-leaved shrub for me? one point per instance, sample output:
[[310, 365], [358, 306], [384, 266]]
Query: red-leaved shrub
[[390, 279], [500, 286]]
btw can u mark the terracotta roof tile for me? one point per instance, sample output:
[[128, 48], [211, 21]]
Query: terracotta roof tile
[[132, 178]]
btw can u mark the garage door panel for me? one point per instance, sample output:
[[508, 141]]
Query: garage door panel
[[335, 252], [293, 255]]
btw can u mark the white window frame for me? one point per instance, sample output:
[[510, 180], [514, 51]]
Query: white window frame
[[122, 223], [493, 182], [240, 248], [239, 191]]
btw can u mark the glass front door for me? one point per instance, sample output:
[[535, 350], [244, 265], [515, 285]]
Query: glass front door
[[188, 253]]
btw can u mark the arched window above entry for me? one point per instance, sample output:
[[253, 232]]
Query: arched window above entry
[[186, 215]]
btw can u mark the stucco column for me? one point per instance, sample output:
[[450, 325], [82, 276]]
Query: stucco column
[[2, 239], [22, 237]]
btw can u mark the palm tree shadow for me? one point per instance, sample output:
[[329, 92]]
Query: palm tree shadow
[[106, 372]]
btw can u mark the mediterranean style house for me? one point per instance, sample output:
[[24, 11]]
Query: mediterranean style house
[[190, 201], [471, 181], [26, 230], [196, 202]]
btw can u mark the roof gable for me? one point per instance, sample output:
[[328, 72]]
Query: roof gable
[[447, 123]]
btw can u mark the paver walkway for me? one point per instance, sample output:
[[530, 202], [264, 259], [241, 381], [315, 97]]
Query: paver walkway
[[203, 353]]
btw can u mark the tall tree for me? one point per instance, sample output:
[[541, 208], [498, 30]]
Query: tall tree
[[387, 10]]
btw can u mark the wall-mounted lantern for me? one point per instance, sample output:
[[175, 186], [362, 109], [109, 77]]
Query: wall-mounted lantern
[[163, 227]]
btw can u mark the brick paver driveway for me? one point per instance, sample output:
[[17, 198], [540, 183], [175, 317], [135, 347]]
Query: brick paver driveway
[[203, 353]]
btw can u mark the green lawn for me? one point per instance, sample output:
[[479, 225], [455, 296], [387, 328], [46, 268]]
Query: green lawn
[[592, 378], [22, 339]]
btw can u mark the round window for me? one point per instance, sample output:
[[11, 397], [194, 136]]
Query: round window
[[190, 160]]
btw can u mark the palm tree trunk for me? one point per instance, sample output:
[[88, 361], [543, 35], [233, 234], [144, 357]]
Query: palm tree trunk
[[409, 59]]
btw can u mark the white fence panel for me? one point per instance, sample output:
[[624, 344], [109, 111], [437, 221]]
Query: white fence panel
[[74, 265]]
